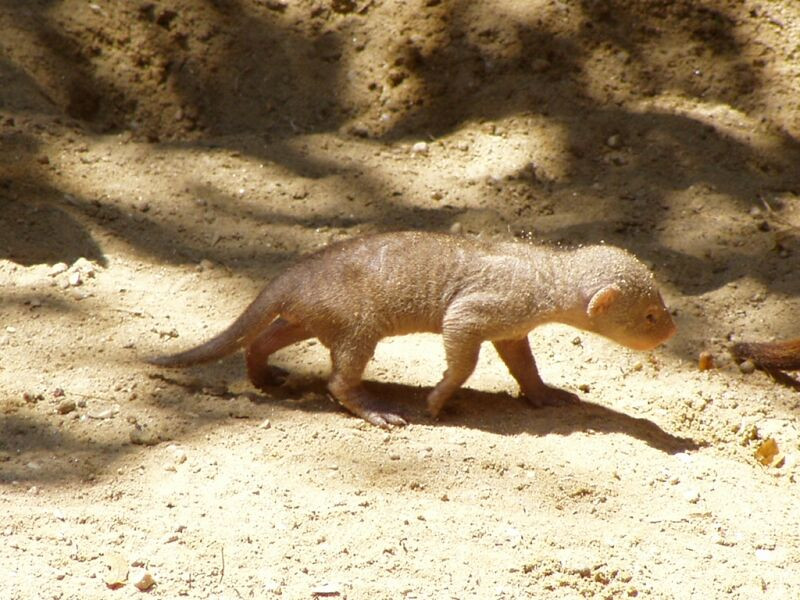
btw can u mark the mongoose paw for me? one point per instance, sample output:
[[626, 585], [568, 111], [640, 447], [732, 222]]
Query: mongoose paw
[[269, 376], [363, 405], [550, 396], [383, 419]]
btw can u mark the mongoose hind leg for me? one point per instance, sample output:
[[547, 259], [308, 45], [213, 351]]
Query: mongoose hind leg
[[348, 362], [279, 334], [520, 362], [461, 353]]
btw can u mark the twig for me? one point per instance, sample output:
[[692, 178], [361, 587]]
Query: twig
[[222, 569]]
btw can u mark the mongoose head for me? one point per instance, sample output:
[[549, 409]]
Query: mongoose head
[[627, 306], [640, 322]]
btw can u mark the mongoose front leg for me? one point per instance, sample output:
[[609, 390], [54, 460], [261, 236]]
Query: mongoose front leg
[[462, 355], [279, 334], [348, 363], [520, 362]]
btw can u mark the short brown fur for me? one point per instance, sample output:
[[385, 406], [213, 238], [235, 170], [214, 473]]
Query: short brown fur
[[352, 294], [782, 356]]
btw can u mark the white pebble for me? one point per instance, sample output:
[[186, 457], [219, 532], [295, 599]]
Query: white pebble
[[57, 269], [178, 453], [420, 148]]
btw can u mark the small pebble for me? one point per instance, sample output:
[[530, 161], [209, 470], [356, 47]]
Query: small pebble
[[57, 269], [326, 590], [420, 148], [143, 436], [65, 407], [178, 453], [614, 141], [747, 367], [692, 496], [204, 265]]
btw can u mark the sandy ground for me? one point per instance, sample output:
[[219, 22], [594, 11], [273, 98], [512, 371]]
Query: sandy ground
[[160, 161]]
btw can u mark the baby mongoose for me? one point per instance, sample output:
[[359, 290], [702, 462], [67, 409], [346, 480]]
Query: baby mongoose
[[351, 294], [781, 356]]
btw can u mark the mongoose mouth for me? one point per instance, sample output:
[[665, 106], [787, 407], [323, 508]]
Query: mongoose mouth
[[652, 341], [666, 334]]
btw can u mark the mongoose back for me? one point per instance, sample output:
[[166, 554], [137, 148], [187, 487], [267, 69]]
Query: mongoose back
[[350, 295]]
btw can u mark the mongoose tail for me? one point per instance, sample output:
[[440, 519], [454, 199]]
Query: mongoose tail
[[783, 356], [255, 319]]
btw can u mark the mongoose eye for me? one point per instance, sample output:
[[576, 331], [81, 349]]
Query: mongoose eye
[[651, 318]]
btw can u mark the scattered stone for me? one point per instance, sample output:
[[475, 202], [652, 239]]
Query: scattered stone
[[692, 496], [84, 266], [32, 398], [141, 579], [359, 130], [141, 435], [420, 148], [57, 269], [265, 424], [271, 586], [108, 413], [11, 329], [65, 407], [747, 367], [614, 141], [277, 5], [178, 453], [326, 590], [456, 228]]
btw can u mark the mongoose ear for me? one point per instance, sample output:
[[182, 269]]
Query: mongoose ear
[[602, 301]]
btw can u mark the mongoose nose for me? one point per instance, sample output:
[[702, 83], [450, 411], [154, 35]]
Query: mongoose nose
[[671, 330]]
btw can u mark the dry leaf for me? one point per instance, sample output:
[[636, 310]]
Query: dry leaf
[[768, 454], [118, 570]]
